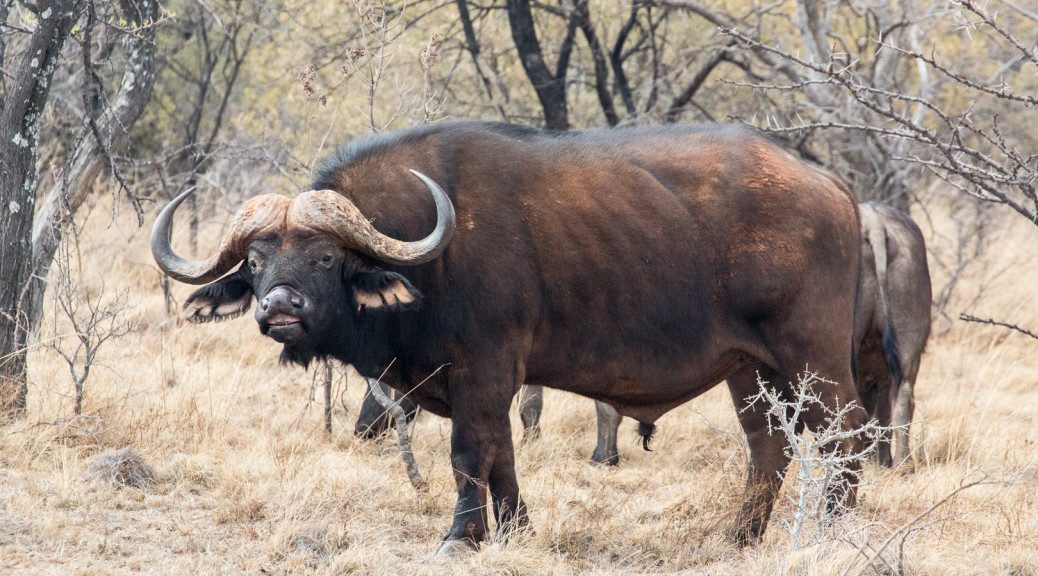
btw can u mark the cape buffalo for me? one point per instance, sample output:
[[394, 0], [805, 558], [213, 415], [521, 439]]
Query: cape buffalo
[[638, 266], [892, 324], [892, 321]]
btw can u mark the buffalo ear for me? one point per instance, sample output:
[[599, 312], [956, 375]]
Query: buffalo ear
[[384, 291], [227, 298]]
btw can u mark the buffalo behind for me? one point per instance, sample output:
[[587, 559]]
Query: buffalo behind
[[639, 267]]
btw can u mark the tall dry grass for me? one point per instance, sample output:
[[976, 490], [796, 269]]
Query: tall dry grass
[[246, 480]]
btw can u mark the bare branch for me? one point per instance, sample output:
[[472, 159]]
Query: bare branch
[[681, 100], [605, 98], [403, 435], [908, 525], [971, 318], [617, 60]]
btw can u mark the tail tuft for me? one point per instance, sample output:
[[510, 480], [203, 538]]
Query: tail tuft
[[646, 430]]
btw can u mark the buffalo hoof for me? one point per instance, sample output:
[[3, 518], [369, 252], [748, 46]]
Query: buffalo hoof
[[747, 532], [455, 549], [605, 459]]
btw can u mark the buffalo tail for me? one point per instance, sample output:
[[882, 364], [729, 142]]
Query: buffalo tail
[[646, 430]]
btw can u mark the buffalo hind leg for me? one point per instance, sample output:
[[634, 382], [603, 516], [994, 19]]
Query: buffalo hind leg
[[608, 423], [904, 408], [881, 414], [835, 394], [531, 402], [768, 456]]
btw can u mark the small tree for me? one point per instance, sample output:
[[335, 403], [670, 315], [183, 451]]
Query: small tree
[[820, 467], [84, 319], [22, 102], [109, 113], [28, 239]]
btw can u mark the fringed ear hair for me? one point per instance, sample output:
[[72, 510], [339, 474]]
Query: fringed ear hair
[[224, 299]]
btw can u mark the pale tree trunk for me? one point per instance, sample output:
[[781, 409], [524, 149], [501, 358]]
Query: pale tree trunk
[[867, 168], [91, 155], [20, 119]]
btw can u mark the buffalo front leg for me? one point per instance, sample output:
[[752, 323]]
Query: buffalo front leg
[[608, 423], [768, 456], [374, 420], [482, 457], [509, 509]]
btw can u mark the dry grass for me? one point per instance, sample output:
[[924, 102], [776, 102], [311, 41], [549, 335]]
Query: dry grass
[[123, 467], [246, 481]]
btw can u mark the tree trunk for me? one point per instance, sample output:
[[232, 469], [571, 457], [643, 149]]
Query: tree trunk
[[616, 60], [19, 133], [90, 158], [550, 88], [605, 97], [485, 74]]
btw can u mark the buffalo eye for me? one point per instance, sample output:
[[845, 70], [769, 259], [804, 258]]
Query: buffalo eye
[[252, 264], [327, 259]]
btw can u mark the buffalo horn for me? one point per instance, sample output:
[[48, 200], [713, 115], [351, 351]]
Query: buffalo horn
[[257, 215], [331, 212]]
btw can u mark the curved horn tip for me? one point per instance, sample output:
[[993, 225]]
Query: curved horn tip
[[428, 181], [180, 197], [169, 262], [161, 229], [433, 245]]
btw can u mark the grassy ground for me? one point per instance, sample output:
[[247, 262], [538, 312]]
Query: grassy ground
[[247, 481]]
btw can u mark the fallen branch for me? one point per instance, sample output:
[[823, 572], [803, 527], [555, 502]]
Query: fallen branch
[[403, 435], [905, 527]]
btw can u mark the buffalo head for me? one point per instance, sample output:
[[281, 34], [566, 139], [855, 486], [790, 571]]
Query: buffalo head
[[301, 259]]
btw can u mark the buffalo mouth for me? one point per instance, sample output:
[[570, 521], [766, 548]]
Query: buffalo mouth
[[283, 327]]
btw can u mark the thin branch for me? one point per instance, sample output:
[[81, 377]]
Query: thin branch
[[911, 522], [677, 106], [403, 434], [970, 318], [90, 87], [617, 60]]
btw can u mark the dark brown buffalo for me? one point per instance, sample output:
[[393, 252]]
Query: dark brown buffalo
[[892, 324], [638, 266]]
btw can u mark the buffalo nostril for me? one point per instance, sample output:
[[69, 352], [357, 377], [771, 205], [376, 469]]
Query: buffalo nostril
[[265, 303], [297, 301]]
